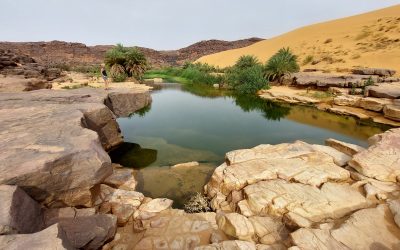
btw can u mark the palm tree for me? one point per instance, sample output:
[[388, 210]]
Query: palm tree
[[136, 63], [246, 61], [284, 62]]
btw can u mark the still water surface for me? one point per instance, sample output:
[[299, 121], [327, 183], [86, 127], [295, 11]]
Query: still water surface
[[192, 123]]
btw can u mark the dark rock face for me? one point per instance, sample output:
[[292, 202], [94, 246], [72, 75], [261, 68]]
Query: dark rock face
[[89, 232], [27, 73], [76, 54], [19, 213], [52, 150]]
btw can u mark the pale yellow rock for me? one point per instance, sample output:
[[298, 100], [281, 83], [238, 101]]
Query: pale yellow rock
[[339, 158], [268, 230], [278, 197], [244, 208], [392, 112], [372, 228], [316, 239], [236, 225], [394, 206], [185, 165], [298, 161], [344, 147], [347, 100], [369, 228], [381, 160], [152, 208], [374, 104]]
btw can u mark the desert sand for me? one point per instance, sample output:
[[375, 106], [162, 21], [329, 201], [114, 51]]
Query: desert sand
[[366, 40]]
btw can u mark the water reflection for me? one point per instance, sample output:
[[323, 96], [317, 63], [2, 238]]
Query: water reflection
[[132, 155]]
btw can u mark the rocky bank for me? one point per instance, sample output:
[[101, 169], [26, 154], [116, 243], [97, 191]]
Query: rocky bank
[[59, 189]]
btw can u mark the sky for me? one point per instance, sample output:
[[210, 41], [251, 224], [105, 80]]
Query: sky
[[166, 24]]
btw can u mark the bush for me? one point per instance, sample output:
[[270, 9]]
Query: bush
[[197, 204], [284, 62], [248, 80], [247, 76], [125, 62]]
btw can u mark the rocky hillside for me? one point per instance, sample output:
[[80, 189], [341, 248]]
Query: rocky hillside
[[369, 40], [20, 72], [74, 54]]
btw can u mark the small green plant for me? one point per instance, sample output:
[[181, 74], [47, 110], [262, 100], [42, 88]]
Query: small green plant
[[367, 83], [284, 62], [308, 59]]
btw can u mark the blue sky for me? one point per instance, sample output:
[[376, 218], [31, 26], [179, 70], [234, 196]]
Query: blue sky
[[166, 24]]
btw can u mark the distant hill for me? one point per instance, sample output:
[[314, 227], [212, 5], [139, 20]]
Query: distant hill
[[367, 40], [73, 54]]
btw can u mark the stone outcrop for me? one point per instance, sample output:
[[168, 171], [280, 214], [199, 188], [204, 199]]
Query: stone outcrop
[[49, 144], [305, 79], [381, 160], [374, 71], [19, 213], [288, 98], [344, 147], [387, 90], [24, 73], [78, 54], [51, 238], [392, 112], [372, 228]]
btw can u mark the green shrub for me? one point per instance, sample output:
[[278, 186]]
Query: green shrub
[[308, 59], [247, 80], [284, 62], [125, 62], [246, 61]]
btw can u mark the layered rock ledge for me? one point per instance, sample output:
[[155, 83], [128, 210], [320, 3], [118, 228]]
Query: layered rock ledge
[[53, 143], [304, 196]]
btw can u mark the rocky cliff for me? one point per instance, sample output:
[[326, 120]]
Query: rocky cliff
[[75, 54]]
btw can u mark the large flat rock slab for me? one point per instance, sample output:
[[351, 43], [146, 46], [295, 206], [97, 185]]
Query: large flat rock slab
[[372, 228], [54, 141], [381, 160], [385, 90]]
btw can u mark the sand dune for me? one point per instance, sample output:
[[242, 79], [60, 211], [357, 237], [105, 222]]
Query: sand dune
[[366, 40]]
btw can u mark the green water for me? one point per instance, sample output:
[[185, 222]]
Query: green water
[[194, 123]]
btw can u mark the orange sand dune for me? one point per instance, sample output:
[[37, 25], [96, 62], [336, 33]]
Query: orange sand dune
[[366, 40]]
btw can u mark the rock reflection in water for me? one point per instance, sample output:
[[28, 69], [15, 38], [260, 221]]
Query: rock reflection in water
[[132, 155]]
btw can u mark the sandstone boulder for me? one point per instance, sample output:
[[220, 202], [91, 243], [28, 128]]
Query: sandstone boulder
[[386, 90], [392, 112], [381, 160], [89, 232], [237, 226], [344, 147], [330, 80], [174, 229], [374, 104], [19, 213], [269, 230], [55, 215], [49, 239], [152, 208], [374, 71], [288, 98], [347, 100], [121, 178], [54, 157], [371, 228], [303, 205]]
